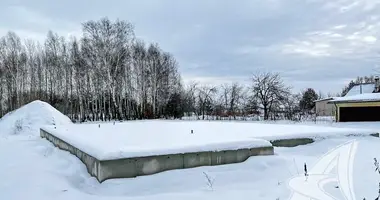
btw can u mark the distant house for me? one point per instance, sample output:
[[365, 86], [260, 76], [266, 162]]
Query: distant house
[[322, 108], [362, 103]]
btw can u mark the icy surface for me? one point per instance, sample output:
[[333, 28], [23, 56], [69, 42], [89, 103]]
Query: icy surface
[[146, 138]]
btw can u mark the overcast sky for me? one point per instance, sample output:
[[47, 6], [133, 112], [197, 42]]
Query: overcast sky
[[313, 43]]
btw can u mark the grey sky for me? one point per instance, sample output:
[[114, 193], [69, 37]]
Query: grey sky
[[312, 43]]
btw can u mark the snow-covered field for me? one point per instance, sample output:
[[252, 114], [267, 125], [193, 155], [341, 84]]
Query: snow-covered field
[[133, 139], [32, 168]]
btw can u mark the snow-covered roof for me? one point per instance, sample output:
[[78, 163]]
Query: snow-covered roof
[[324, 99], [368, 97], [365, 88]]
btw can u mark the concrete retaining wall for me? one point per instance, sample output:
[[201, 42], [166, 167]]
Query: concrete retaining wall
[[91, 163], [291, 142], [140, 166], [304, 141]]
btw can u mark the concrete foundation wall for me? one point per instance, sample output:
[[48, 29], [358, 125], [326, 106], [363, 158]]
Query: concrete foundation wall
[[291, 142], [304, 141], [140, 166], [91, 163]]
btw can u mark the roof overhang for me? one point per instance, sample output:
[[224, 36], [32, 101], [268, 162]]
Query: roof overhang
[[326, 99], [352, 101]]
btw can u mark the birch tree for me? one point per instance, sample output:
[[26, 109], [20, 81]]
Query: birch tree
[[106, 74]]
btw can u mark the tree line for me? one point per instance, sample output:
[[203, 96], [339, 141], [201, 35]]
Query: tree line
[[358, 80], [106, 74], [266, 95], [109, 74]]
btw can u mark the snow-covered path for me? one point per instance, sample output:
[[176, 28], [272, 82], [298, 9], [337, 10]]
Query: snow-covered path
[[31, 168]]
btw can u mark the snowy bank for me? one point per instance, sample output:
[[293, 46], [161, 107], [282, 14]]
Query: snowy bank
[[29, 118], [149, 138]]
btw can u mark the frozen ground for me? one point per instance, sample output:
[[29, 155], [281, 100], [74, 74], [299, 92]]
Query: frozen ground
[[158, 137], [31, 168]]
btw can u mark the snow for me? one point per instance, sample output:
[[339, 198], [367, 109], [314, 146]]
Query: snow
[[359, 97], [366, 88], [32, 168], [149, 138], [31, 117], [158, 137], [324, 99]]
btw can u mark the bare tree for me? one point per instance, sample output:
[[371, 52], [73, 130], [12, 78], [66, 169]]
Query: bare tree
[[235, 97], [249, 105], [225, 99], [269, 89], [110, 43], [291, 105], [205, 100], [231, 96], [190, 98]]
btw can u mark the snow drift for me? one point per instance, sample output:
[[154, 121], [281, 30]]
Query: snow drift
[[29, 118]]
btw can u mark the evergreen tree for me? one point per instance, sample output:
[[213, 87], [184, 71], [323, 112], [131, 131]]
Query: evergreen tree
[[307, 100], [174, 107]]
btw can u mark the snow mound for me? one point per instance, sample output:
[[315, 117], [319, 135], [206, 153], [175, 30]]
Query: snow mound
[[29, 118]]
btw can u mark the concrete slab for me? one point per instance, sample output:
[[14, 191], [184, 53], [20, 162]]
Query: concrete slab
[[141, 166]]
